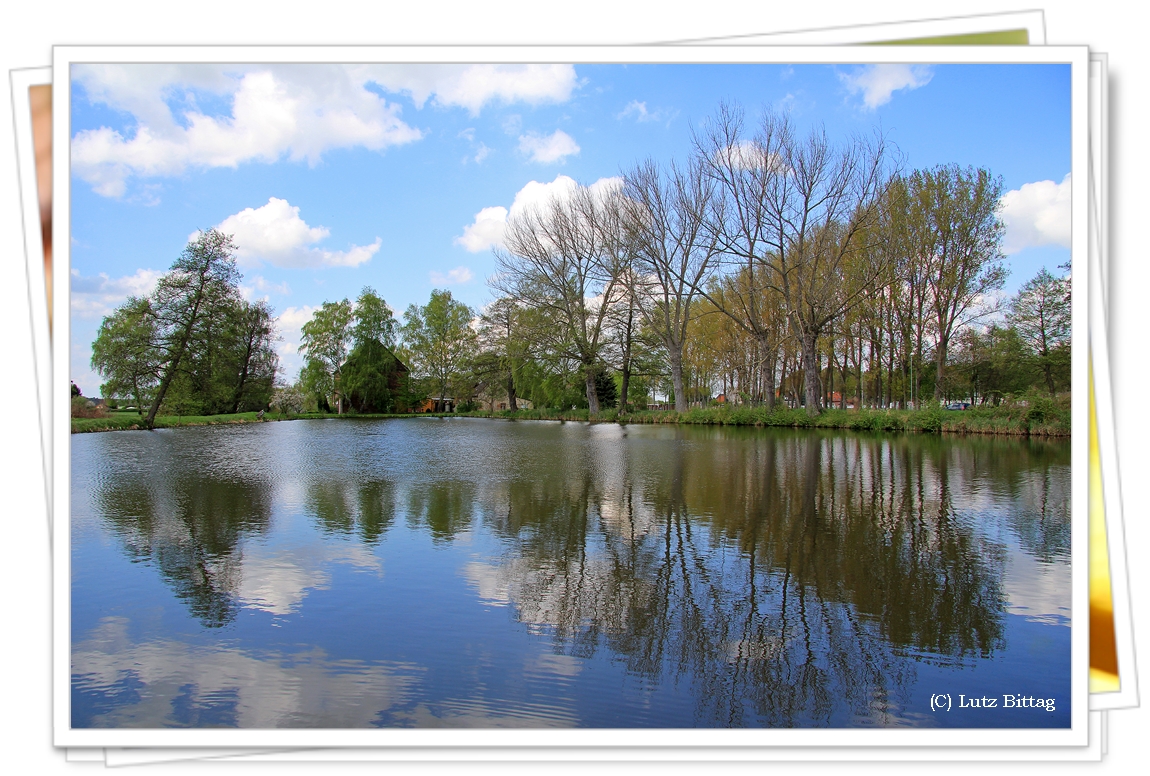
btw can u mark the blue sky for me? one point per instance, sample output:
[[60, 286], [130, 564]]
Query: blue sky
[[334, 178]]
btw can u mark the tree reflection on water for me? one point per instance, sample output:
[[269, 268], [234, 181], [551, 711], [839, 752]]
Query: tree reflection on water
[[790, 578]]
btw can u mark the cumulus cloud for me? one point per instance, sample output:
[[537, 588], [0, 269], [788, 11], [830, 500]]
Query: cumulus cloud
[[486, 231], [878, 83], [96, 297], [275, 112], [289, 326], [273, 116], [276, 234], [548, 148], [747, 155], [454, 277], [1036, 214], [474, 86]]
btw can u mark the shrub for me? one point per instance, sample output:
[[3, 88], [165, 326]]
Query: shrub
[[84, 408]]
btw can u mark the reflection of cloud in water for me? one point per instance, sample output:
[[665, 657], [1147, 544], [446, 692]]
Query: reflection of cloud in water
[[493, 585], [1039, 591], [480, 713], [277, 579], [182, 684]]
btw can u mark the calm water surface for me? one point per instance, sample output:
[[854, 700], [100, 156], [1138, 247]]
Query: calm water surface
[[465, 572]]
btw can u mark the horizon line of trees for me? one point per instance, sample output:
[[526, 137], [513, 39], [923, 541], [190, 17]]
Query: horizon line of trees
[[767, 267]]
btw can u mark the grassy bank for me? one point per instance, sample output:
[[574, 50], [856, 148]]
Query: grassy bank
[[127, 421], [1041, 417]]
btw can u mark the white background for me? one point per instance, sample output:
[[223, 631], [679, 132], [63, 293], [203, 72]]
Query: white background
[[27, 33]]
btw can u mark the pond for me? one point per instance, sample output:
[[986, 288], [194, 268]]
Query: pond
[[459, 572]]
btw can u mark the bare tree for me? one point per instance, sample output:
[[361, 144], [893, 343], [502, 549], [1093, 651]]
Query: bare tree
[[796, 215], [566, 259], [675, 253]]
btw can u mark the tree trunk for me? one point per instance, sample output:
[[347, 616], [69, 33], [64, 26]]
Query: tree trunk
[[940, 366], [511, 397], [768, 357], [589, 383], [239, 392], [676, 359], [811, 373], [626, 386], [169, 373]]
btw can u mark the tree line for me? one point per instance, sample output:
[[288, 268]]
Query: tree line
[[767, 267]]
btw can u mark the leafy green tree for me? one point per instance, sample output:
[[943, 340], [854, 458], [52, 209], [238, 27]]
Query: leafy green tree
[[369, 376], [125, 352], [373, 320], [316, 383], [961, 247], [993, 363], [1041, 314], [253, 356], [194, 346], [202, 278], [325, 342], [439, 338]]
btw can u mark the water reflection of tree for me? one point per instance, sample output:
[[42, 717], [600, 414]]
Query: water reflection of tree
[[793, 578], [190, 528], [346, 506], [444, 507]]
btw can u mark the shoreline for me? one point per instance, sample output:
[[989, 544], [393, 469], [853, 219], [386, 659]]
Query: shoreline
[[1042, 419]]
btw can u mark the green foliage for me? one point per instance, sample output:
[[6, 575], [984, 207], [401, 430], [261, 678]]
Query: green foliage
[[126, 352], [374, 320], [605, 388], [371, 378], [1040, 313], [193, 345], [441, 343]]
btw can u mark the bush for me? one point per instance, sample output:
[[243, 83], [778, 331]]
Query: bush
[[84, 408], [930, 421]]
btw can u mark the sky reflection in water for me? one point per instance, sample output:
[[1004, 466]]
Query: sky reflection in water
[[470, 573]]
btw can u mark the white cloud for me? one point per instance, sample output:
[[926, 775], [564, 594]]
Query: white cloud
[[878, 83], [454, 277], [275, 233], [275, 113], [96, 297], [1036, 214], [641, 113], [750, 156], [260, 284], [548, 148], [474, 86], [482, 152], [486, 231], [289, 325]]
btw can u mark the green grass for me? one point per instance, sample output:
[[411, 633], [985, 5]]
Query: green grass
[[1041, 417]]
